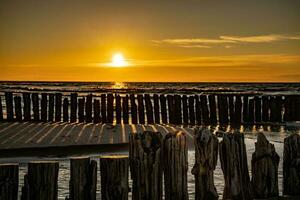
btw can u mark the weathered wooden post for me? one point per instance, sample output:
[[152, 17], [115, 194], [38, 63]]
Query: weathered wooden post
[[9, 106], [264, 169], [185, 111], [36, 106], [118, 109], [26, 106], [9, 181], [204, 109], [66, 110], [41, 181], [175, 166], [81, 103], [177, 109], [291, 165], [1, 110], [110, 108], [234, 166], [114, 177], [275, 109], [170, 108], [192, 110], [83, 179], [18, 108], [97, 118], [212, 109], [89, 108], [265, 108], [198, 110], [149, 109], [223, 109], [231, 109], [258, 116], [245, 109], [238, 109], [156, 108], [163, 109], [206, 157], [251, 110], [141, 110], [58, 101], [44, 107], [51, 108], [125, 109], [133, 109], [103, 108], [73, 117], [145, 164]]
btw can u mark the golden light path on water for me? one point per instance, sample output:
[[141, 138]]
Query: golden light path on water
[[119, 85]]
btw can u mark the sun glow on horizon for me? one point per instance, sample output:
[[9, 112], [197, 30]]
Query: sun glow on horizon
[[118, 60]]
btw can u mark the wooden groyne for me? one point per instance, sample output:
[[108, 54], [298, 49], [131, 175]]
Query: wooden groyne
[[203, 109], [152, 156]]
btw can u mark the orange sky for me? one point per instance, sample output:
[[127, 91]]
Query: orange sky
[[196, 41]]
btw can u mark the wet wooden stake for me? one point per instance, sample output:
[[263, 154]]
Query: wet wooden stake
[[9, 181], [18, 108], [275, 109], [145, 164], [265, 108], [198, 110], [103, 108], [96, 108], [245, 109], [251, 111], [141, 110], [258, 111], [58, 101], [81, 103], [110, 109], [163, 109], [36, 107], [185, 110], [206, 156], [66, 110], [51, 108], [9, 106], [44, 107], [73, 117], [156, 109], [238, 109], [170, 101], [41, 181], [118, 109], [231, 110], [125, 109], [1, 110], [175, 166], [26, 106], [212, 109], [264, 169], [133, 109], [233, 159], [191, 110], [204, 109], [149, 109], [290, 108], [223, 109], [177, 109], [114, 177], [291, 165], [89, 108], [83, 179]]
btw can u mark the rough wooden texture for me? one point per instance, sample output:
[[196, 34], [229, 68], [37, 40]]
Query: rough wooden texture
[[118, 109], [275, 109], [212, 109], [103, 108], [26, 106], [290, 108], [171, 112], [175, 166], [204, 109], [234, 166], [110, 108], [265, 108], [149, 109], [145, 164], [133, 109], [41, 181], [223, 109], [206, 157], [83, 179], [36, 107], [264, 168], [251, 111], [177, 109], [114, 177], [258, 110], [58, 102], [66, 110], [73, 117], [44, 107], [96, 108], [51, 108], [9, 180], [191, 110], [125, 109], [185, 111], [231, 110], [1, 110], [81, 109], [291, 165], [18, 108], [238, 109], [141, 111], [89, 108], [9, 106], [156, 108], [163, 109], [245, 109]]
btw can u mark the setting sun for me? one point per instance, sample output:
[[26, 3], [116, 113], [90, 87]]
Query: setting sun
[[118, 60]]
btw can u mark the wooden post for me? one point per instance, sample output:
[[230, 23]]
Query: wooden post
[[233, 159], [103, 108], [265, 108], [238, 109], [231, 110], [245, 109], [145, 164], [110, 108], [290, 108], [97, 118], [118, 109], [223, 109], [81, 103], [18, 108], [192, 110], [89, 108], [291, 165], [41, 181], [297, 99], [177, 109], [44, 109], [66, 110], [149, 109], [141, 110], [125, 109], [163, 109], [9, 106], [133, 108], [51, 108], [1, 110], [204, 108], [275, 109], [171, 113], [257, 102], [36, 106], [198, 110], [26, 106], [114, 177], [58, 99], [175, 166], [83, 179], [251, 110], [185, 110], [9, 181], [264, 168], [73, 117], [212, 109], [156, 109], [206, 157]]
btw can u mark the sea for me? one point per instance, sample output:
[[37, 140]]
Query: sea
[[275, 133]]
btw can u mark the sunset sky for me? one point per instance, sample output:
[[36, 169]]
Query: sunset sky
[[170, 40]]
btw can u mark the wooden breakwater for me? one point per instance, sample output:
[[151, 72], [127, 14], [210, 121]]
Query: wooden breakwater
[[203, 109], [152, 157]]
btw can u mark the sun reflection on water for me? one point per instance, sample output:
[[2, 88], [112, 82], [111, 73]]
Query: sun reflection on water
[[119, 85]]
